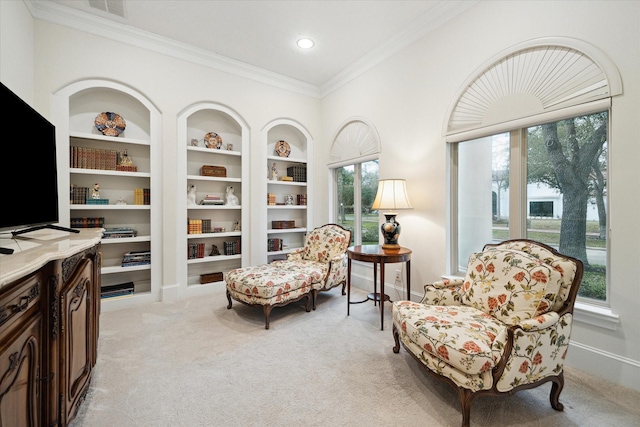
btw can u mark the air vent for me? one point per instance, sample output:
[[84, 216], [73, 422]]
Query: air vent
[[114, 7]]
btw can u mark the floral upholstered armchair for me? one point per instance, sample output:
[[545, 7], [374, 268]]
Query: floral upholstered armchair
[[503, 328], [324, 257]]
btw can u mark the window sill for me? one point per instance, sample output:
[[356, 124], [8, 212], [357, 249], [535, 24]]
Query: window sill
[[594, 315]]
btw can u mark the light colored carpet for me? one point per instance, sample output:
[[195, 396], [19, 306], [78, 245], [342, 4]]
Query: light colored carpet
[[196, 363]]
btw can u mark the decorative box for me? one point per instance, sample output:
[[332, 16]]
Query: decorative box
[[211, 277], [208, 170], [283, 224]]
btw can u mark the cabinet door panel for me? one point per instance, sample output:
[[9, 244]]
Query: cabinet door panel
[[77, 335], [19, 368]]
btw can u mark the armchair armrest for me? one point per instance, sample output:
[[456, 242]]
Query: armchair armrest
[[295, 255], [539, 323], [442, 292]]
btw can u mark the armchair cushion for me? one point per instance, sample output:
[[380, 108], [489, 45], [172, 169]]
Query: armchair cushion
[[461, 336], [509, 284]]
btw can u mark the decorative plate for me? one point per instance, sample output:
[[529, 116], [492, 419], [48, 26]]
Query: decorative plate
[[213, 140], [110, 124], [282, 148]]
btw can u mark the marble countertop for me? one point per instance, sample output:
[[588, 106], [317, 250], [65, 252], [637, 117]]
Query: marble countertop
[[35, 249]]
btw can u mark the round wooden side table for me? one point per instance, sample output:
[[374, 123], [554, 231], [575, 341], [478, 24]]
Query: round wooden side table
[[376, 255]]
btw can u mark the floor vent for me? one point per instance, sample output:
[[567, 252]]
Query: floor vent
[[114, 7]]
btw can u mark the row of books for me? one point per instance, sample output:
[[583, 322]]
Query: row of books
[[118, 232], [134, 258], [87, 222], [93, 158], [274, 244], [232, 247], [119, 290], [195, 250], [200, 226], [141, 196], [79, 195], [298, 173]]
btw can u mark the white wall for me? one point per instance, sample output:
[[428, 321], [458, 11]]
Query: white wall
[[407, 96], [16, 49]]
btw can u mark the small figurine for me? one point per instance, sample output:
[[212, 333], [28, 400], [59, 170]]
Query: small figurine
[[194, 142], [214, 250], [95, 192], [191, 196], [274, 172], [232, 199], [236, 225], [121, 201], [125, 160], [229, 146]]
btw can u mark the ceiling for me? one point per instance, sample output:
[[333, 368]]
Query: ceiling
[[261, 35]]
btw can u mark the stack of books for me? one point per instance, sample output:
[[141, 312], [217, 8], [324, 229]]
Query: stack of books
[[119, 232], [211, 199], [195, 250], [119, 290], [130, 259], [91, 201], [85, 222], [271, 199], [302, 199]]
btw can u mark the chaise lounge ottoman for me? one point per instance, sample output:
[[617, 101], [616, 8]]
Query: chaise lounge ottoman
[[267, 286]]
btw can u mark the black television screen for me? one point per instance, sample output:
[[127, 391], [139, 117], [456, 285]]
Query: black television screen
[[29, 187]]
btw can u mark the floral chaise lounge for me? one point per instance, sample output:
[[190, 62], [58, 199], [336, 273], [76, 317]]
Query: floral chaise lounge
[[319, 266], [504, 327]]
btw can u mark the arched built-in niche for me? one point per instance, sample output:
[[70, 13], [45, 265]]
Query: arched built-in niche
[[532, 78]]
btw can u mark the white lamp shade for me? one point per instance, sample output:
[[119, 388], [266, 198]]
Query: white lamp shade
[[392, 195]]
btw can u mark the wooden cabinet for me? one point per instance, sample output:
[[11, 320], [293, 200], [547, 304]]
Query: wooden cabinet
[[208, 218], [49, 310], [21, 350], [285, 202], [130, 197]]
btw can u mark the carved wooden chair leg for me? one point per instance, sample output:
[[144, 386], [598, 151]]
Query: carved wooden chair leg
[[229, 299], [396, 337], [344, 286], [267, 314], [466, 398], [311, 296], [314, 297], [556, 389]]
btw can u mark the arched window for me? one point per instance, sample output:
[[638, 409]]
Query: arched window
[[354, 170], [529, 139]]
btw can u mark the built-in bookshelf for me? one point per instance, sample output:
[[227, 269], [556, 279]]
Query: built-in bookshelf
[[213, 215], [286, 191], [112, 180]]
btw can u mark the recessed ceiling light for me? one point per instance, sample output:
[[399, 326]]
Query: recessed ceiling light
[[305, 43]]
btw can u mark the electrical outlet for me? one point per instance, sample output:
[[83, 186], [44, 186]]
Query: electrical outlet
[[398, 275]]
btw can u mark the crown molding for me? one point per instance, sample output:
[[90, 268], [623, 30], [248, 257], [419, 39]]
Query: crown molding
[[83, 21]]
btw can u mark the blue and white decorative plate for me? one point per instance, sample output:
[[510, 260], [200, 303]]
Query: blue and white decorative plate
[[110, 124]]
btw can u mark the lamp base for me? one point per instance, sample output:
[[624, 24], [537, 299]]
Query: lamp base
[[391, 231], [390, 247]]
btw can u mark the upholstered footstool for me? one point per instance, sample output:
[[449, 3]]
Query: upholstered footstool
[[267, 286]]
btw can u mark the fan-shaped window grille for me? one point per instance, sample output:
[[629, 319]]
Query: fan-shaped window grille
[[536, 77], [356, 141]]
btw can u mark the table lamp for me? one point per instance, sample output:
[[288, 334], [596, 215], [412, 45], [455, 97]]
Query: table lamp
[[392, 195]]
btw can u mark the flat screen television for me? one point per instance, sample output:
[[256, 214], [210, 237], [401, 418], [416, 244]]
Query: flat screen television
[[29, 188]]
